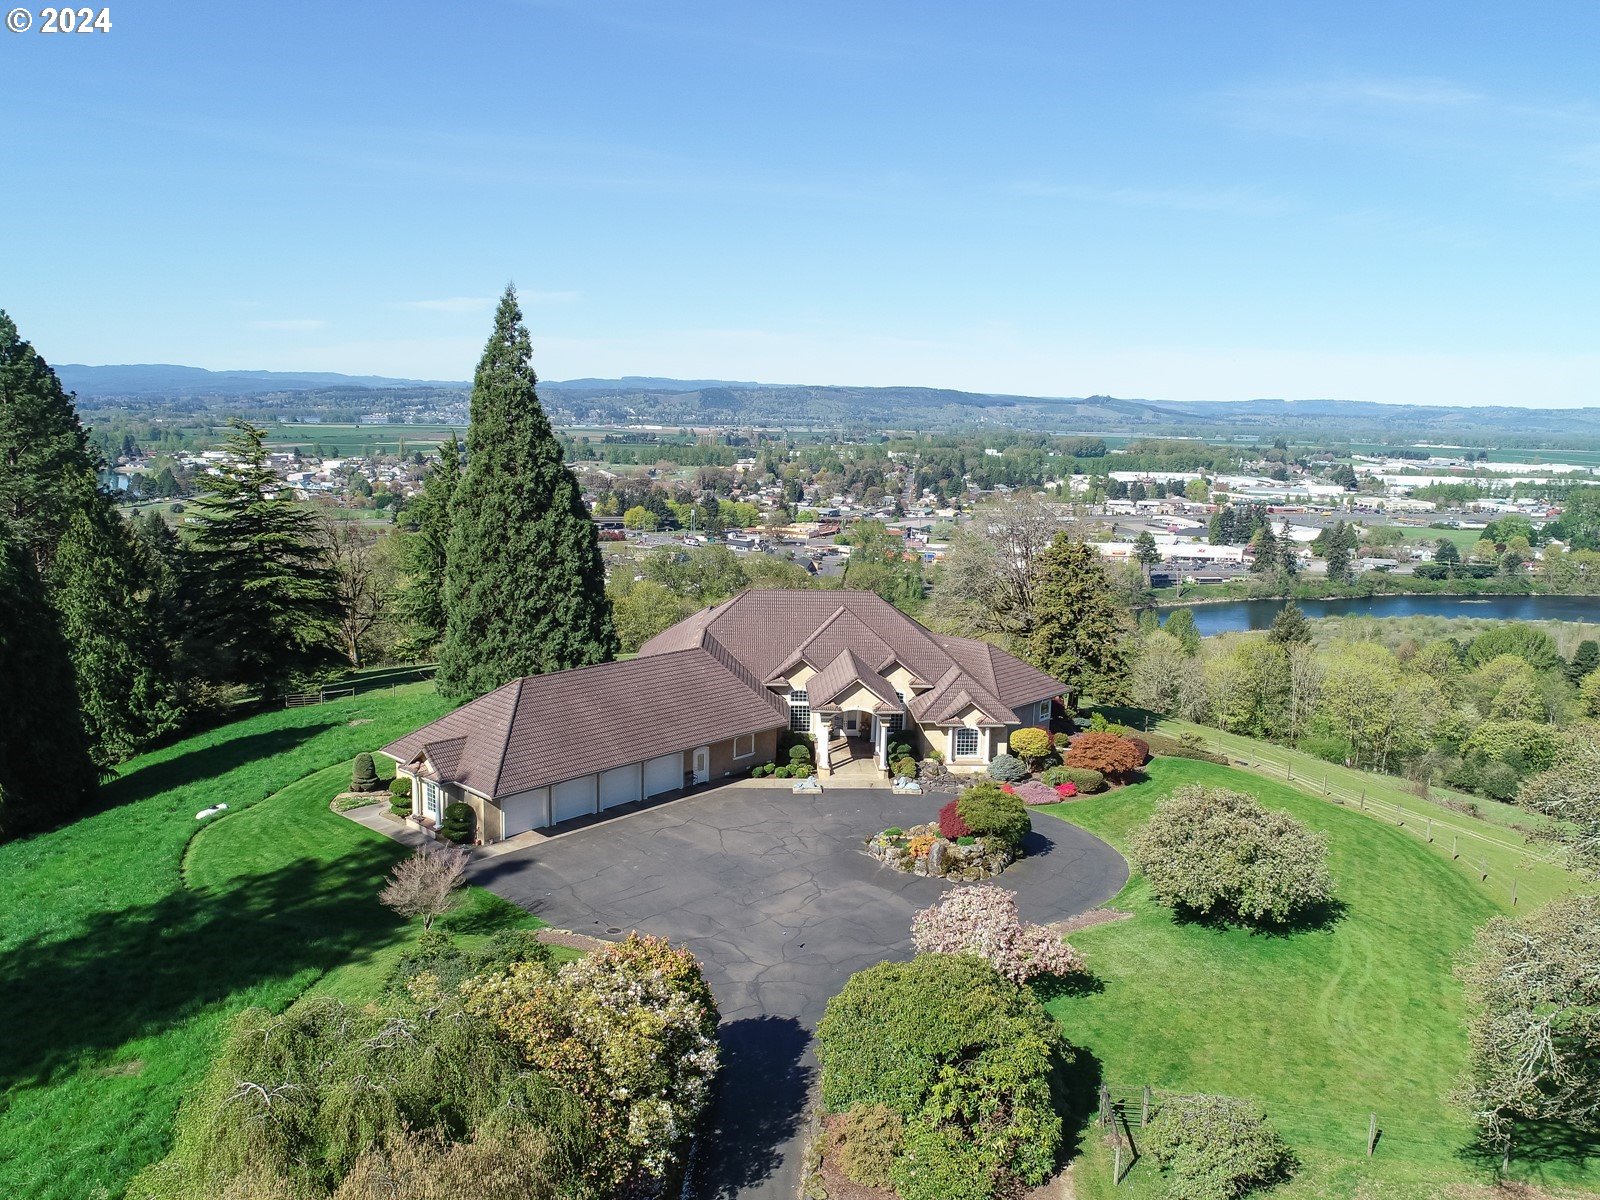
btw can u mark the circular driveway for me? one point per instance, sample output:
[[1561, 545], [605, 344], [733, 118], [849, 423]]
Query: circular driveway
[[775, 894]]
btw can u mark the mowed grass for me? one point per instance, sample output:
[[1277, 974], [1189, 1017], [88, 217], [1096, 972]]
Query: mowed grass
[[1324, 1025], [1494, 842], [130, 939]]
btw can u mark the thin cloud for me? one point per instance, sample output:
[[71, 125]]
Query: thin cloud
[[295, 325]]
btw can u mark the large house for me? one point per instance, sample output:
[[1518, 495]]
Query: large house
[[711, 697]]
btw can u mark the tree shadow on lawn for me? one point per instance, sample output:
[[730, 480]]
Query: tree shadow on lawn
[[1314, 918], [205, 762], [760, 1104], [141, 970], [1075, 1086], [1538, 1145]]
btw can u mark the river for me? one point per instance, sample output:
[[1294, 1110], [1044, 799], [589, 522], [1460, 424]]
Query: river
[[1233, 616]]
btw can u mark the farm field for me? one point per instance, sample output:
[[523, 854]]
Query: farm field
[[1324, 1026], [133, 934]]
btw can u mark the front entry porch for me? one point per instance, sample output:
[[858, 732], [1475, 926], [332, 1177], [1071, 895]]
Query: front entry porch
[[856, 742]]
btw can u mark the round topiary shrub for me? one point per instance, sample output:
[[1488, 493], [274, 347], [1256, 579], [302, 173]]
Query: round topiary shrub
[[457, 824], [1008, 768], [1215, 852], [400, 785], [1139, 744], [1031, 743], [990, 812], [950, 823], [1216, 1147], [1086, 781], [364, 776], [800, 755], [964, 1056], [864, 1143]]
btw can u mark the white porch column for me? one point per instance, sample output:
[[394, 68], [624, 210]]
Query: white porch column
[[819, 735], [880, 739]]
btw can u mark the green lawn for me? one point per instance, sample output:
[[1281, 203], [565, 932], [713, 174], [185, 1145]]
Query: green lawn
[[1323, 1026], [1491, 841], [130, 938]]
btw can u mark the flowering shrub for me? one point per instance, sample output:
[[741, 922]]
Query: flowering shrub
[[1066, 790], [631, 1031], [1034, 792], [918, 847], [950, 823], [983, 920], [1008, 789]]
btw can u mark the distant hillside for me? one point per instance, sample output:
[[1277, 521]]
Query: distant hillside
[[162, 379], [652, 400]]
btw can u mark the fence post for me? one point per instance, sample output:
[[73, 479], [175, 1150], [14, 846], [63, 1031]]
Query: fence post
[[1116, 1168], [1144, 1109], [1483, 868], [1105, 1104], [1455, 845], [1513, 893], [1430, 829], [1289, 769], [1399, 813], [1372, 1132]]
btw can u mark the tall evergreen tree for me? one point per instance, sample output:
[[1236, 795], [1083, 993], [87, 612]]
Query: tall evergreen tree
[[46, 773], [1267, 557], [266, 604], [524, 583], [95, 574], [1290, 627], [104, 588], [421, 602], [1080, 635], [1181, 626]]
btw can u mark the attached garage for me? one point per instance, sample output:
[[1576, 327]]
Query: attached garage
[[524, 812], [664, 774], [574, 798], [620, 785]]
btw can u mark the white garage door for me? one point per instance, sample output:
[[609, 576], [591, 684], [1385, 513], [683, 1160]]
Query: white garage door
[[523, 812], [663, 774], [619, 785], [574, 798]]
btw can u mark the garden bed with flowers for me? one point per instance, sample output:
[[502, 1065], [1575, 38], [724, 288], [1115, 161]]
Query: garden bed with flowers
[[978, 834]]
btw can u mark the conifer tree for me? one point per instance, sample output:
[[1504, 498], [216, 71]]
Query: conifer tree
[[1290, 627], [95, 574], [266, 602], [46, 773], [104, 589], [1181, 626], [1266, 559], [1079, 634], [524, 583], [421, 600]]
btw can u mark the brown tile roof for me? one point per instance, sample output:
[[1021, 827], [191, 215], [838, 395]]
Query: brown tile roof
[[844, 674], [773, 631], [545, 728]]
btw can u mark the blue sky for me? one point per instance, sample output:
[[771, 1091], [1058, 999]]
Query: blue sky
[[1200, 201]]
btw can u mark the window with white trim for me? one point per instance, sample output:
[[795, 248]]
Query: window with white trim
[[799, 711], [744, 747], [966, 742], [897, 721], [1044, 710]]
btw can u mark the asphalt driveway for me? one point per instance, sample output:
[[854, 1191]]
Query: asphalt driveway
[[775, 894]]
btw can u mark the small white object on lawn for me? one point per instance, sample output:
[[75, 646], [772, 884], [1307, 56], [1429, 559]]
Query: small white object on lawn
[[210, 812]]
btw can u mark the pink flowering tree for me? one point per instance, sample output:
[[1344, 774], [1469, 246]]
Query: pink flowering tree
[[984, 921]]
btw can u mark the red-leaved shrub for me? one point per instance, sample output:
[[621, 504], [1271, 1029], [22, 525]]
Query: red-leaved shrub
[[950, 823], [1066, 790], [1114, 757], [1142, 746]]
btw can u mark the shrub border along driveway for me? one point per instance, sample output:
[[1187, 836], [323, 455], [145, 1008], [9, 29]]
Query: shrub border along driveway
[[777, 896]]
